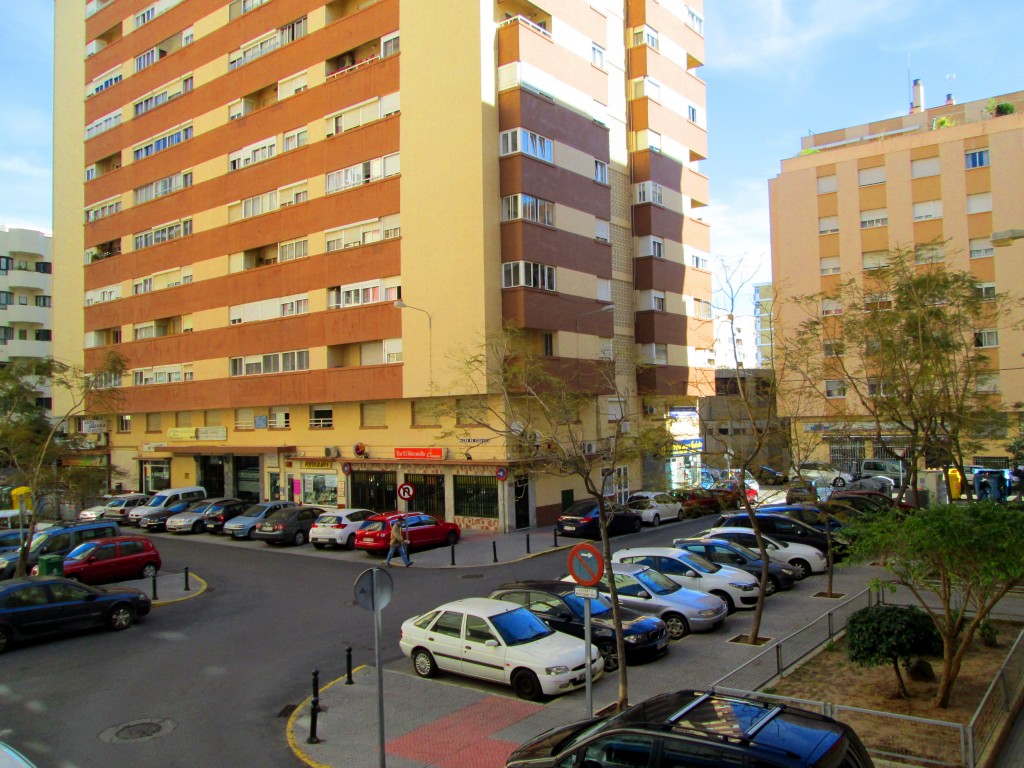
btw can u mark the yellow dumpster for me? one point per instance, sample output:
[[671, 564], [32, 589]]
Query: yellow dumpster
[[955, 483], [18, 493]]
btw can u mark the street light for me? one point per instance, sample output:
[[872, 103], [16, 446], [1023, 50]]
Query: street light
[[1006, 237], [430, 335]]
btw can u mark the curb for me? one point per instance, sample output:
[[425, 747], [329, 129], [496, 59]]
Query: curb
[[196, 593], [548, 551], [293, 743]]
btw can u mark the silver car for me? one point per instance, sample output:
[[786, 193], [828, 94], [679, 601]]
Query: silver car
[[193, 519], [683, 610]]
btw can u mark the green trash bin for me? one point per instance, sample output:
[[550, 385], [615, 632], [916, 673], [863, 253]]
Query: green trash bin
[[51, 565]]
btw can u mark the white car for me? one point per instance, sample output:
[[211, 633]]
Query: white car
[[655, 506], [822, 474], [498, 641], [737, 588], [802, 558], [338, 529], [115, 509]]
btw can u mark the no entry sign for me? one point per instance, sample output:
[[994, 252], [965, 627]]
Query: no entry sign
[[586, 565]]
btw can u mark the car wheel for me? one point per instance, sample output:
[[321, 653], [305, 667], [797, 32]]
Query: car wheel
[[121, 617], [453, 538], [838, 482], [656, 520], [729, 604], [350, 542], [608, 652], [248, 534], [680, 516], [636, 525], [772, 586], [801, 570], [319, 544], [677, 625], [5, 639], [424, 663], [526, 685], [299, 538], [149, 570], [197, 528]]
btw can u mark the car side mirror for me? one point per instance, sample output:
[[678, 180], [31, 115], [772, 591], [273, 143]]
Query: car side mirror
[[491, 643], [691, 574]]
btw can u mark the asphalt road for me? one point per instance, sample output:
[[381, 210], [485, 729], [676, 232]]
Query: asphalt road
[[210, 677]]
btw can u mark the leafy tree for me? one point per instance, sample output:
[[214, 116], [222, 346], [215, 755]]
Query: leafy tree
[[882, 634], [966, 555], [35, 445], [552, 418]]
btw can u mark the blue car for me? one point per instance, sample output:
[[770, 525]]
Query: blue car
[[12, 539]]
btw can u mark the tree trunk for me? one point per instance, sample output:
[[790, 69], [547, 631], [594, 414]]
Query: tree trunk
[[620, 642], [755, 625], [904, 693]]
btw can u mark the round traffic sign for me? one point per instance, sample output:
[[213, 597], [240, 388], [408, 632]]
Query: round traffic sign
[[406, 492], [501, 473], [586, 565], [346, 468], [373, 588]]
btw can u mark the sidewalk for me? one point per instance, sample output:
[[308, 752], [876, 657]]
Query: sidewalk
[[170, 587]]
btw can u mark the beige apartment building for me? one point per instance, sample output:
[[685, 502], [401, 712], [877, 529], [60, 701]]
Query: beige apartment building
[[294, 217], [950, 174]]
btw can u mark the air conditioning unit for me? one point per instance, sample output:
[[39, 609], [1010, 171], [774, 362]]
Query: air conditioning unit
[[650, 410], [332, 452], [589, 447], [625, 427]]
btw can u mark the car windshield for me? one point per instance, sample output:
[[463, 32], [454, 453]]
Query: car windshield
[[81, 552], [372, 525], [598, 607], [37, 541], [656, 583], [698, 563], [116, 503], [157, 501], [520, 626], [254, 511]]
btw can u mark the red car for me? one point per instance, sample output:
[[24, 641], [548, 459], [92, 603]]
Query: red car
[[698, 501], [422, 531], [730, 494], [115, 559]]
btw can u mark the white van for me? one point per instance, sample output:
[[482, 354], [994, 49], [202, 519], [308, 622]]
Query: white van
[[167, 498], [890, 468]]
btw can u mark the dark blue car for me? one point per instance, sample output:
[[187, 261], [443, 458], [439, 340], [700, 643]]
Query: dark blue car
[[580, 519]]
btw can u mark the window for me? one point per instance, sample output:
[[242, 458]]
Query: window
[[830, 265], [475, 496], [986, 290], [527, 274], [827, 184], [694, 21], [832, 348], [321, 417], [103, 210], [876, 217], [292, 31], [835, 388], [977, 158], [646, 35], [124, 422], [650, 192], [657, 301], [929, 254], [254, 153], [601, 171], [657, 247], [356, 294], [926, 166], [145, 16], [828, 225], [164, 142], [103, 124], [264, 203], [389, 45], [255, 365], [979, 203], [867, 177], [44, 301], [691, 113], [363, 173], [876, 387], [520, 140], [831, 307], [988, 383], [981, 247], [296, 249], [597, 56], [162, 187], [602, 230], [163, 234], [548, 340], [424, 414], [373, 415], [645, 87], [929, 209], [528, 208], [877, 302], [986, 339], [295, 139], [152, 422], [875, 259]]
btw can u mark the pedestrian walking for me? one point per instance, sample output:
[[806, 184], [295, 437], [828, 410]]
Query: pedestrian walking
[[398, 542]]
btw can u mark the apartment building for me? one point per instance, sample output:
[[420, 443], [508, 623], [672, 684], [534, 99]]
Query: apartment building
[[940, 181], [26, 296], [763, 300], [297, 216], [735, 340]]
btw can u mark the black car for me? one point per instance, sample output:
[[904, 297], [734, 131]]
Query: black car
[[736, 555], [690, 728], [580, 519], [222, 511], [779, 527], [157, 519], [40, 605], [556, 603], [769, 476], [288, 525]]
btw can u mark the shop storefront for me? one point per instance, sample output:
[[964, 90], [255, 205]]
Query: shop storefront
[[155, 475]]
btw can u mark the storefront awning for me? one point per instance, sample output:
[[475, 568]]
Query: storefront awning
[[213, 450]]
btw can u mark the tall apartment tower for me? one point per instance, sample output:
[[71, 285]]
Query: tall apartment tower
[[951, 175], [296, 216], [26, 296]]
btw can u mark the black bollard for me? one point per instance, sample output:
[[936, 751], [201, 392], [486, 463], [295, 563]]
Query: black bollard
[[527, 543], [154, 588], [348, 665], [494, 548], [187, 588], [555, 531], [314, 708], [453, 554]]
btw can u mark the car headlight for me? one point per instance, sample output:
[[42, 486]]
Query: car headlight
[[560, 670], [708, 613], [821, 555], [787, 571], [3, 562], [743, 587], [637, 638]]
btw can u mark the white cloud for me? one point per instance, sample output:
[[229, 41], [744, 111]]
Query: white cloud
[[15, 165]]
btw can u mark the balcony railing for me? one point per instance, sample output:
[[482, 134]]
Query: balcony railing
[[523, 20]]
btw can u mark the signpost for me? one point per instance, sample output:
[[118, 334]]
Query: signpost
[[586, 566], [373, 590]]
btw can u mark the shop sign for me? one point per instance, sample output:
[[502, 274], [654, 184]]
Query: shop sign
[[317, 465], [93, 426], [211, 433], [434, 454], [181, 433], [152, 446]]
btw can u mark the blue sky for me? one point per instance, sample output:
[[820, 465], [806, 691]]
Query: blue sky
[[775, 70]]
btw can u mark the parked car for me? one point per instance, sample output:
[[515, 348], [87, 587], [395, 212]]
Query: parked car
[[338, 529], [822, 473], [655, 506], [869, 501], [220, 512], [167, 498], [12, 758], [115, 559], [802, 558], [498, 641], [769, 476], [288, 525], [556, 604], [691, 728], [891, 469], [813, 515], [580, 519], [730, 495], [244, 525], [34, 606], [709, 476], [422, 531], [116, 508], [193, 519], [778, 527], [156, 520], [805, 492], [749, 482], [697, 502], [58, 540], [729, 553], [12, 538], [643, 589], [687, 569]]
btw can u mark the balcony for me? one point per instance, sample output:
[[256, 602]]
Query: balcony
[[15, 348], [28, 280], [28, 314]]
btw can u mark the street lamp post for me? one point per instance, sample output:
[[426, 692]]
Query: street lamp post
[[430, 336], [1006, 237]]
